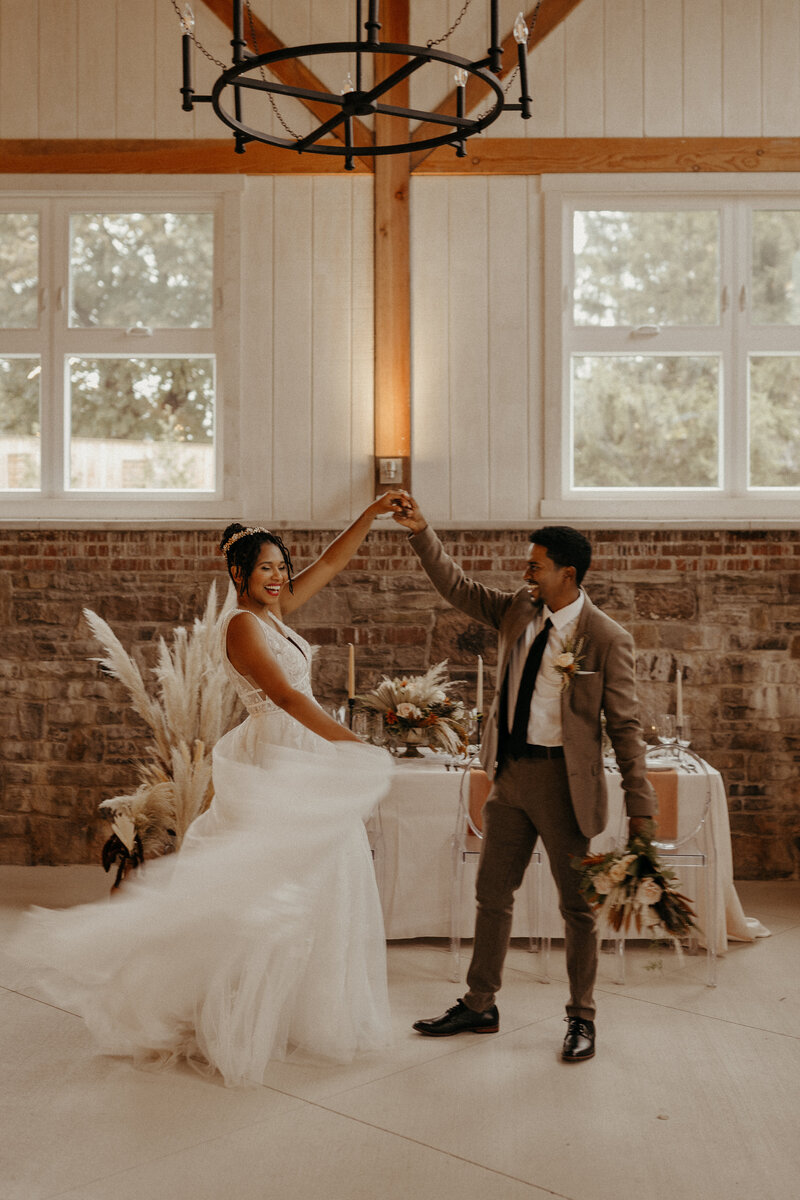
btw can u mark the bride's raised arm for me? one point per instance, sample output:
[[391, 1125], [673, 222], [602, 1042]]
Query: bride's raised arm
[[338, 554]]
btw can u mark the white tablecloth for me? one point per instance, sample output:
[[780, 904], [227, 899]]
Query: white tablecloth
[[414, 858]]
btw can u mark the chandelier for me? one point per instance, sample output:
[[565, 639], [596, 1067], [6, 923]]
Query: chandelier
[[248, 75]]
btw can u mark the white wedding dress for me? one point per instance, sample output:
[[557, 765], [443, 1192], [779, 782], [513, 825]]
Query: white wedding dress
[[263, 937]]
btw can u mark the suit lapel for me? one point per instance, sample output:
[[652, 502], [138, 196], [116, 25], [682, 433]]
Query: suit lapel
[[584, 617], [581, 631]]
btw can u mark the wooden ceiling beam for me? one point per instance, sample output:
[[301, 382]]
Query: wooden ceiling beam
[[160, 156], [291, 71], [551, 14], [566, 156], [486, 156]]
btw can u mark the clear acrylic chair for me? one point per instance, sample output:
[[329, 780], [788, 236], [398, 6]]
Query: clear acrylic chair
[[472, 794], [685, 840]]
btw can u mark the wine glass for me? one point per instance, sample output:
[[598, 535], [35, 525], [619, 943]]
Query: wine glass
[[378, 733], [666, 729], [362, 724]]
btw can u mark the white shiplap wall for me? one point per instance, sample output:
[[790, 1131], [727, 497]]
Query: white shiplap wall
[[666, 68], [307, 347], [111, 69], [476, 347], [613, 68]]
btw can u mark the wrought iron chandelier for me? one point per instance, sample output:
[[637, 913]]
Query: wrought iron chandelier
[[248, 73]]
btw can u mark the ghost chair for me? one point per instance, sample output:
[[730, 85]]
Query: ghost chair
[[684, 839]]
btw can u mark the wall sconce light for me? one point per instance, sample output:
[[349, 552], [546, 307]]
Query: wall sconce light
[[390, 472]]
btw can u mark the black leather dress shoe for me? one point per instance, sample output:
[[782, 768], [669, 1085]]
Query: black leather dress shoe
[[579, 1042], [460, 1019]]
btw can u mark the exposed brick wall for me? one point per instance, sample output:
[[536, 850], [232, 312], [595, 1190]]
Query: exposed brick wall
[[723, 606]]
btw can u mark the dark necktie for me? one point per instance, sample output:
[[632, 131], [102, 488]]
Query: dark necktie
[[522, 711]]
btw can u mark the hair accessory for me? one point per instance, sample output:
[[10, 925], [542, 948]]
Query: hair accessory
[[242, 533]]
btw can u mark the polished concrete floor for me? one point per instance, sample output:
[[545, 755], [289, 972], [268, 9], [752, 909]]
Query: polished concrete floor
[[694, 1093]]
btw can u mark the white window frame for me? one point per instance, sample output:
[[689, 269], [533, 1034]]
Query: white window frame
[[55, 198], [736, 337]]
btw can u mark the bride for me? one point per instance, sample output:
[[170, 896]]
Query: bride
[[263, 937]]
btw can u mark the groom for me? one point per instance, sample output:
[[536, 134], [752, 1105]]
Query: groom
[[542, 749]]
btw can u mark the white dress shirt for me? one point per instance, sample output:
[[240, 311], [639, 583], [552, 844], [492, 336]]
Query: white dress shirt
[[544, 723]]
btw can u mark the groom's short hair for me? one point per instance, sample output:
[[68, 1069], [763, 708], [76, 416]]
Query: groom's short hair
[[566, 547]]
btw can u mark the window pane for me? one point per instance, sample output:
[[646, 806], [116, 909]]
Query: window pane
[[153, 269], [20, 459], [142, 423], [776, 268], [774, 421], [19, 270], [645, 421], [646, 268]]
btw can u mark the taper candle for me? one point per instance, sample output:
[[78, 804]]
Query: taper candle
[[679, 696], [351, 671], [479, 688]]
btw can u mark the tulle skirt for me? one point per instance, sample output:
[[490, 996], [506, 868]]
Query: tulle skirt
[[262, 938]]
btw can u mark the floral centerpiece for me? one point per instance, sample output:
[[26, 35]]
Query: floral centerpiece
[[631, 888], [417, 710]]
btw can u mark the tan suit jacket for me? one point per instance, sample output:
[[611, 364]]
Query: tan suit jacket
[[607, 686]]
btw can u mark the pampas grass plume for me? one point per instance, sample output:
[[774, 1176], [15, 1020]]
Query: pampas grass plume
[[194, 705]]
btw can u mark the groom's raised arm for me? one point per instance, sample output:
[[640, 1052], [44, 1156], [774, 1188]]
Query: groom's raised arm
[[483, 603]]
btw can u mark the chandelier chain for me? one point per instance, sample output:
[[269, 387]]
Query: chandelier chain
[[438, 41], [270, 97]]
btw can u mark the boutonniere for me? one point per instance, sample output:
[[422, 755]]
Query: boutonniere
[[570, 660]]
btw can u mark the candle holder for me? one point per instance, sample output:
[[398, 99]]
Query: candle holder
[[351, 703], [478, 723]]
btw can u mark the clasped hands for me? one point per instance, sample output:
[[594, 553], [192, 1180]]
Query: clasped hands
[[407, 512]]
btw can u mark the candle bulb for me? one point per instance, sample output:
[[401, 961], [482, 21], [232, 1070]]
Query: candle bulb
[[461, 98], [521, 38], [351, 671], [679, 697], [479, 689], [187, 91]]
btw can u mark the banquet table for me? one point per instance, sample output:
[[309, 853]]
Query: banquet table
[[414, 863]]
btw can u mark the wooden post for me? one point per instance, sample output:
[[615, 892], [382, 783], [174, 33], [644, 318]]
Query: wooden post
[[392, 264]]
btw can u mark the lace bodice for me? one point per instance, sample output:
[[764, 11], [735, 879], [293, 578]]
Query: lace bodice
[[294, 659]]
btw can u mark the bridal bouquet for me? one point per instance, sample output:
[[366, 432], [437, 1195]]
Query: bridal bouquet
[[417, 708], [630, 888]]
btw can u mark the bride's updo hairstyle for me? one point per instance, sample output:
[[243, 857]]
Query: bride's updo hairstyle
[[241, 546]]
